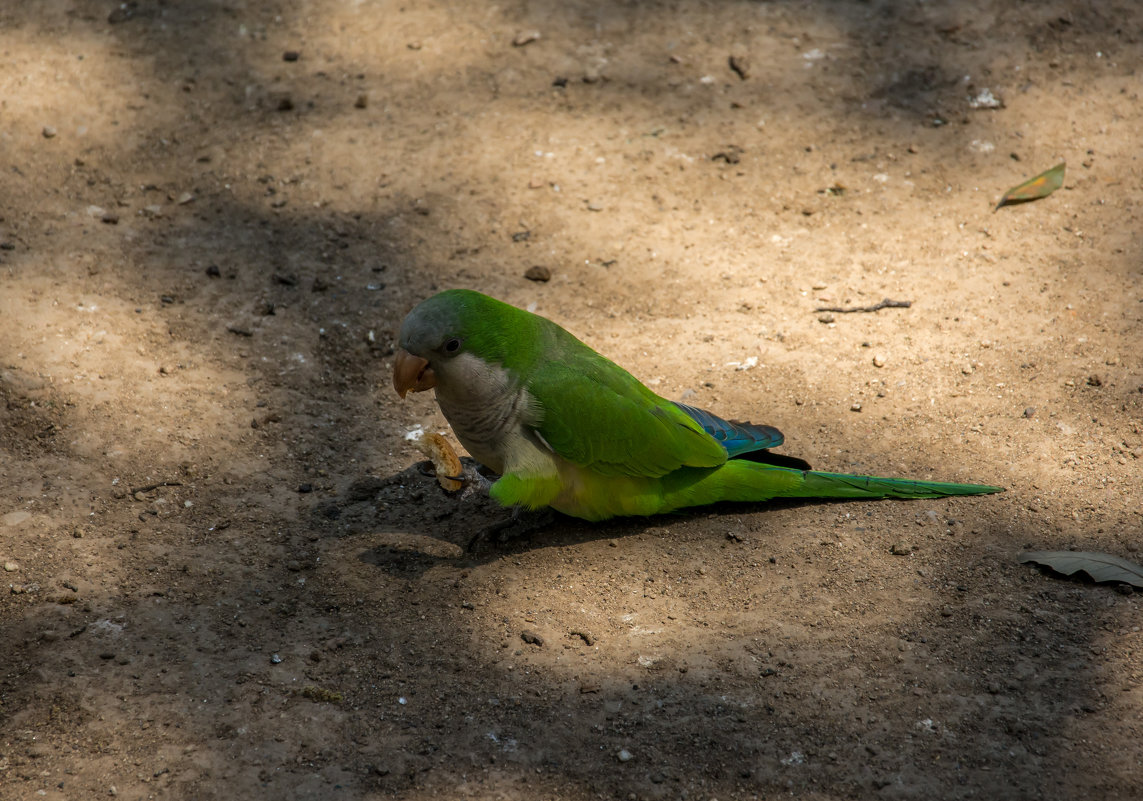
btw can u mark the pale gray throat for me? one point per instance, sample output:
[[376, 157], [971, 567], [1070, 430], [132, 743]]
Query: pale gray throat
[[486, 413]]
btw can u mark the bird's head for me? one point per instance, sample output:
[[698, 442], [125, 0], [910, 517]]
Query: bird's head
[[432, 336]]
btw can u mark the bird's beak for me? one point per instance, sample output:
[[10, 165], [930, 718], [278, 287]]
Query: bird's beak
[[412, 373]]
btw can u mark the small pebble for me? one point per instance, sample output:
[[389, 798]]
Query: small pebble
[[1030, 411], [109, 218], [538, 273], [856, 407], [361, 102], [826, 318], [624, 755], [49, 132], [11, 567], [532, 638], [525, 37], [291, 55], [275, 659], [878, 360], [740, 65], [586, 636], [900, 549]]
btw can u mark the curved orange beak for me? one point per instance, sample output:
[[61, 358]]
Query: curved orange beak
[[412, 373]]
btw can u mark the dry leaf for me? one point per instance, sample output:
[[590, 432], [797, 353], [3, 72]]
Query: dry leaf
[[444, 459], [1042, 185], [1099, 566]]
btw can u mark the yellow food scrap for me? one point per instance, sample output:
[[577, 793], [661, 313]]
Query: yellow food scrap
[[444, 459]]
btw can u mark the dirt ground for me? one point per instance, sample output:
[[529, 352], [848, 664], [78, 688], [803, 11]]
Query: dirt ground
[[225, 575]]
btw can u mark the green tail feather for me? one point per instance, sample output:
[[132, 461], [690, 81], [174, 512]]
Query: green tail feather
[[842, 485], [740, 480]]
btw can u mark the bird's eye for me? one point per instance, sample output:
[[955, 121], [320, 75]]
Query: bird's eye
[[452, 346]]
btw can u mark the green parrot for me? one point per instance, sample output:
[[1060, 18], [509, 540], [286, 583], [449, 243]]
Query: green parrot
[[566, 428]]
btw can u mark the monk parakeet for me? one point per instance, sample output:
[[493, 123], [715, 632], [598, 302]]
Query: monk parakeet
[[566, 428]]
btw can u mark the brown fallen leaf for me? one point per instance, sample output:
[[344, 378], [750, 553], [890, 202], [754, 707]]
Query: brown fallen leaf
[[443, 457], [1042, 185], [1099, 566]]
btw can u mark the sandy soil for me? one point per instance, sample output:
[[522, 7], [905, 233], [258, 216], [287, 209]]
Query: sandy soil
[[225, 575]]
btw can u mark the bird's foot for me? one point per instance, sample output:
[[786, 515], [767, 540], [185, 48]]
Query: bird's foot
[[472, 481], [475, 482]]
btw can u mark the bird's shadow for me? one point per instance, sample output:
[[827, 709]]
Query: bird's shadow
[[417, 525]]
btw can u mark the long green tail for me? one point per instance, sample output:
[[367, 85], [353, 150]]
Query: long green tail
[[739, 480], [816, 484]]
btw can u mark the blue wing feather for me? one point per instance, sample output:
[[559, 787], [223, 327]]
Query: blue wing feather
[[737, 438]]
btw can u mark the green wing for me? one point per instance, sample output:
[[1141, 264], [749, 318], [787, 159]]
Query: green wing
[[595, 414]]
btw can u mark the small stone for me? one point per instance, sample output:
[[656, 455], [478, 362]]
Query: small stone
[[538, 273], [740, 65], [532, 638], [826, 318], [305, 488], [587, 637], [213, 272], [285, 104], [291, 55], [878, 360], [1030, 411], [856, 407], [900, 549], [624, 755], [11, 567], [185, 198], [593, 206], [275, 659], [49, 132], [109, 218], [525, 37], [1095, 380], [362, 101], [985, 99]]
